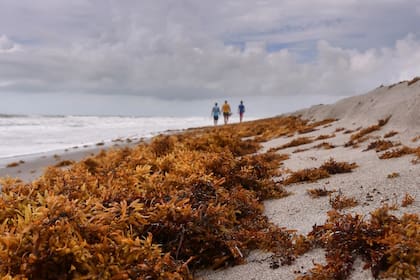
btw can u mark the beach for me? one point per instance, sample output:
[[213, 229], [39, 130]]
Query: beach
[[35, 142], [31, 167], [375, 182], [370, 184]]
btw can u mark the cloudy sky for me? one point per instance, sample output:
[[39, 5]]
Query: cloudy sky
[[177, 57]]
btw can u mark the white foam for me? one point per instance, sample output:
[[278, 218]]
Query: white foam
[[26, 135]]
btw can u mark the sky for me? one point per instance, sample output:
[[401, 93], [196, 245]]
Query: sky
[[178, 57]]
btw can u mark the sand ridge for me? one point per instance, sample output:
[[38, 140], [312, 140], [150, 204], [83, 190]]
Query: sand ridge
[[401, 101]]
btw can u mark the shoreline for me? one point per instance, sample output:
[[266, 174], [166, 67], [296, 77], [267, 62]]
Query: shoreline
[[30, 167]]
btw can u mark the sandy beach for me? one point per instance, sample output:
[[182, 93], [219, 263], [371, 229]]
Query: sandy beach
[[369, 184], [31, 167], [372, 184]]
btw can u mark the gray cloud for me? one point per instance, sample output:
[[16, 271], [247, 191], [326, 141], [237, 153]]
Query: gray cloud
[[8, 46], [206, 49]]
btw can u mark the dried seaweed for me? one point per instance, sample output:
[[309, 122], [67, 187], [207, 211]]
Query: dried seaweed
[[325, 146], [184, 201], [415, 139], [348, 131], [340, 202], [154, 211], [306, 175], [307, 130], [409, 82], [360, 136], [416, 152], [297, 142], [380, 145], [413, 81], [393, 175], [12, 164], [333, 167], [300, 150], [15, 164], [398, 152], [325, 136], [313, 126], [390, 134], [318, 192], [407, 200], [324, 171], [389, 246], [64, 163]]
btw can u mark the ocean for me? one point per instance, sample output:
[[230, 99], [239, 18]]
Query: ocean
[[22, 135]]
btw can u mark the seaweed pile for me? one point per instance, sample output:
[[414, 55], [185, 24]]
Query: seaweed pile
[[389, 246], [380, 145], [362, 134], [319, 192], [398, 152], [330, 167], [181, 202], [155, 211]]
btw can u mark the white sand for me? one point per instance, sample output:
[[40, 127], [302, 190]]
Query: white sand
[[368, 183], [32, 166]]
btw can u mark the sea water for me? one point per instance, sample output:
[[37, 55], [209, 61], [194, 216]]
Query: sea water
[[22, 135]]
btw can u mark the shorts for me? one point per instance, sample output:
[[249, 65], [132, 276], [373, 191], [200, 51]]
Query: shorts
[[215, 118], [226, 114]]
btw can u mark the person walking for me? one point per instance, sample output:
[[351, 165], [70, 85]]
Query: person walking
[[241, 111], [226, 111], [215, 112]]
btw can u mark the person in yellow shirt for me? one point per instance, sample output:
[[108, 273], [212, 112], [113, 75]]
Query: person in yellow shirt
[[226, 111]]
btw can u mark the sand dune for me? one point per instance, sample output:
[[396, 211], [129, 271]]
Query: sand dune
[[401, 101]]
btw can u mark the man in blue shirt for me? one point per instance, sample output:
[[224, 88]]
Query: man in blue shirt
[[241, 111], [215, 112]]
